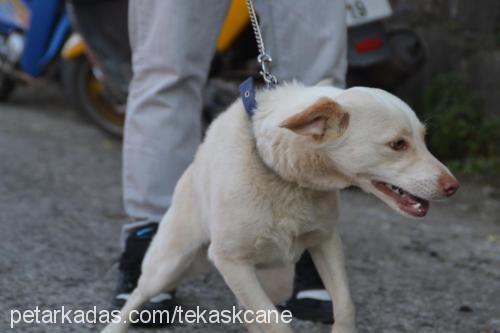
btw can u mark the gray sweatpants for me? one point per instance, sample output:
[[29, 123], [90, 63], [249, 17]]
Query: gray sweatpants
[[173, 42]]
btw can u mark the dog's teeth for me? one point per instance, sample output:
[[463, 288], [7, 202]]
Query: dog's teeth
[[417, 205], [395, 189]]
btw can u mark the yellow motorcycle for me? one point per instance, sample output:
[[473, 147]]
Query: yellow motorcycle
[[97, 58]]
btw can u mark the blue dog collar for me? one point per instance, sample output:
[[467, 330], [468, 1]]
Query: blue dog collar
[[247, 93]]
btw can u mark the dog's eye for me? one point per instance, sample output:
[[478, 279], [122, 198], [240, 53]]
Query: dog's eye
[[399, 145]]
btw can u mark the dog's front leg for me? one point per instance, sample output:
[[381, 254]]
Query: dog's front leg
[[242, 279], [328, 258]]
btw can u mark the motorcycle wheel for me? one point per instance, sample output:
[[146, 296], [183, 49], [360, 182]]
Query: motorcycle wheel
[[409, 51], [87, 94], [6, 87]]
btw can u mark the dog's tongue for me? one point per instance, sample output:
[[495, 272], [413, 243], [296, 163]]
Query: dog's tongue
[[413, 205], [408, 199]]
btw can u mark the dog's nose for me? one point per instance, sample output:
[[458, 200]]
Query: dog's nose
[[449, 184]]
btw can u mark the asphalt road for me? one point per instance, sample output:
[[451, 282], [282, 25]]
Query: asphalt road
[[61, 212]]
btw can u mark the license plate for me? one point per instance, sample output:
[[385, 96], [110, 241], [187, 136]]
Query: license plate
[[364, 11]]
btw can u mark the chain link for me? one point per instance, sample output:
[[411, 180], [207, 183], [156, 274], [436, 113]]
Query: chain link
[[264, 59]]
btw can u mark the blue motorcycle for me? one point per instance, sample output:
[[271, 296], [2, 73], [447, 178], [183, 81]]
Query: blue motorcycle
[[37, 44], [32, 34]]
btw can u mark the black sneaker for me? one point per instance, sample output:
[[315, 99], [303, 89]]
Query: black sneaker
[[310, 300], [129, 269]]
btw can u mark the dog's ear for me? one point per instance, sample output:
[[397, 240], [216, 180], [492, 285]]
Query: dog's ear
[[325, 118]]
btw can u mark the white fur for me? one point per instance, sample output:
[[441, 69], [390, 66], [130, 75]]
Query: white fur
[[257, 195]]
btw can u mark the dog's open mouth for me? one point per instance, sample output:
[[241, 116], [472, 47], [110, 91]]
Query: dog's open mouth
[[407, 202]]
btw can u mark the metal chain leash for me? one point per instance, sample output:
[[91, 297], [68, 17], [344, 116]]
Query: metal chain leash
[[263, 58]]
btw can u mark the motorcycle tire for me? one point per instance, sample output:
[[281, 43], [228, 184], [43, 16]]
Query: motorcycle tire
[[6, 87], [87, 94], [408, 49]]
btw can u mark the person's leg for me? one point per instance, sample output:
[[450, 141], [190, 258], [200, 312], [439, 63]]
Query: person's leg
[[307, 41], [172, 45]]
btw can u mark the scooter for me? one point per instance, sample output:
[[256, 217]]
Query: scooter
[[372, 50], [31, 35], [34, 35]]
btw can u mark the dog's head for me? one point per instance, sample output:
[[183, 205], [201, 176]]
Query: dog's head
[[360, 136]]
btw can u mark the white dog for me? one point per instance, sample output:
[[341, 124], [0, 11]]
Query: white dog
[[262, 190]]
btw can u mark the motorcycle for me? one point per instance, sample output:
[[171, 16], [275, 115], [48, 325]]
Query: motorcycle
[[31, 34], [376, 56], [34, 39]]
